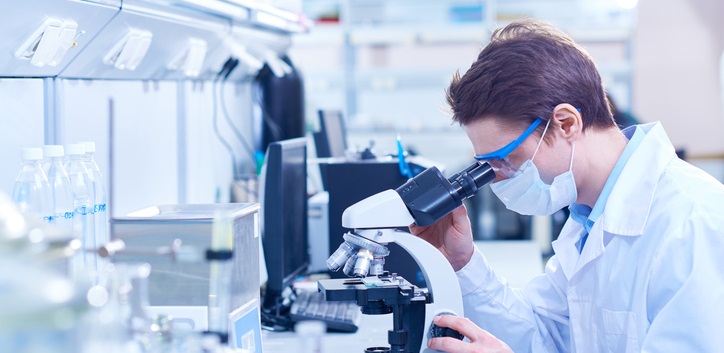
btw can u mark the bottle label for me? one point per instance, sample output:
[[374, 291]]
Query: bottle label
[[99, 208], [59, 216], [84, 210]]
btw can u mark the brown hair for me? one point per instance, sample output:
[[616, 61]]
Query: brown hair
[[527, 69]]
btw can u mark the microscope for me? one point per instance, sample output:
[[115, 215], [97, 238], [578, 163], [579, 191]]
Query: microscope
[[383, 218]]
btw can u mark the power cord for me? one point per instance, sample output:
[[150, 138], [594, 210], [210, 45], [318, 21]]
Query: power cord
[[236, 131], [214, 118]]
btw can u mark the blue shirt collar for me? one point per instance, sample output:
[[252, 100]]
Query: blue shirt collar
[[587, 216]]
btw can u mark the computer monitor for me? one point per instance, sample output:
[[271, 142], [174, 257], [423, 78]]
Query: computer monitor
[[331, 140], [284, 212]]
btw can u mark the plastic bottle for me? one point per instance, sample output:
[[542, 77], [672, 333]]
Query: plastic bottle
[[99, 202], [32, 191], [83, 221], [61, 192], [309, 333]]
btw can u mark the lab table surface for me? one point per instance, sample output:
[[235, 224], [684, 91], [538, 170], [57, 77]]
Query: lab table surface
[[372, 332]]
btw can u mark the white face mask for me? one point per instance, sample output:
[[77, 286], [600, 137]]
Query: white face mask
[[527, 194]]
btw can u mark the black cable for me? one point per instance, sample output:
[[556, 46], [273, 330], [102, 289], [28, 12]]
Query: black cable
[[216, 128], [236, 131], [276, 317]]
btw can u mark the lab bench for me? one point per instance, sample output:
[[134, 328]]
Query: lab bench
[[372, 333]]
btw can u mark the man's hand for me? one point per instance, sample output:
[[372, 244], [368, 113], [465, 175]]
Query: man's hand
[[481, 341], [451, 235]]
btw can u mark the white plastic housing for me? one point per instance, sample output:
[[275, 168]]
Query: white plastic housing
[[49, 43], [383, 210], [191, 59], [129, 51]]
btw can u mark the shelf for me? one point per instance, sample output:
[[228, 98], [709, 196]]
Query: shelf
[[252, 13], [436, 34], [382, 79], [381, 54]]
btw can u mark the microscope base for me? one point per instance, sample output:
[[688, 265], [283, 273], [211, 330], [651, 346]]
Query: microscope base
[[384, 294]]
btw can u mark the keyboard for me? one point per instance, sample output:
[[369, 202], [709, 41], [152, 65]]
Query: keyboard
[[339, 316]]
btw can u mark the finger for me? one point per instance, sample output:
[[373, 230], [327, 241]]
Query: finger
[[460, 218], [460, 324], [414, 228], [485, 336], [448, 344], [461, 210]]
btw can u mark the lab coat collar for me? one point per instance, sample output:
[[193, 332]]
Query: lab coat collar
[[565, 246], [627, 208]]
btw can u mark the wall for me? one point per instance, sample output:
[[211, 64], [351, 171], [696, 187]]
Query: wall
[[21, 125], [156, 145], [677, 51]]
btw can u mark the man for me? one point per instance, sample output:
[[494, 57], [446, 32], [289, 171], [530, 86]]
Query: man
[[639, 266]]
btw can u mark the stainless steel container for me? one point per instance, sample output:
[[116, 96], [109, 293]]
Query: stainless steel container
[[174, 283]]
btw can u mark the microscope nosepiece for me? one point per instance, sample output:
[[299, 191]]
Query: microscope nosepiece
[[363, 263], [378, 266], [340, 257], [349, 266]]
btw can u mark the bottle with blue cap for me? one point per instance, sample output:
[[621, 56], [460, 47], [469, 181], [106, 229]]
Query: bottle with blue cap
[[31, 192], [83, 221], [61, 192]]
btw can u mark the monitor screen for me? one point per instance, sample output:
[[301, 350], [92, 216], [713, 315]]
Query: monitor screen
[[284, 212], [331, 140]]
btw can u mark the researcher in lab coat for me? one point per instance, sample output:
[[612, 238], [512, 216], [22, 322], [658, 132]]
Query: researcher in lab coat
[[639, 265]]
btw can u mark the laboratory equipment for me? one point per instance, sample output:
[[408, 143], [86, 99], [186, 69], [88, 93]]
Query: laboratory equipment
[[368, 177], [179, 282], [310, 335], [32, 192], [421, 200], [318, 231], [285, 242], [279, 102], [81, 181], [284, 187], [338, 316], [100, 213], [331, 139], [61, 193], [39, 306]]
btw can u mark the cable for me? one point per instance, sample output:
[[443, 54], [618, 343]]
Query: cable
[[214, 118], [236, 131]]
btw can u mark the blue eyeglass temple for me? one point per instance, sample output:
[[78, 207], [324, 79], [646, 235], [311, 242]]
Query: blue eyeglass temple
[[505, 151]]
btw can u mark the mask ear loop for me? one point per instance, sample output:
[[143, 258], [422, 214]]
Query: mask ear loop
[[573, 149], [541, 140]]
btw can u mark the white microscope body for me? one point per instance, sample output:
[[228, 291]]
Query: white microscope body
[[376, 221], [376, 218]]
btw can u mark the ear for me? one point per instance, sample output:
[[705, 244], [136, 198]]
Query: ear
[[567, 122]]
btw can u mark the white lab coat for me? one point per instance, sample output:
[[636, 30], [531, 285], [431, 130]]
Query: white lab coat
[[650, 277]]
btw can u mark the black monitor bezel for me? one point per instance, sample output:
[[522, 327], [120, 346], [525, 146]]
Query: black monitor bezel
[[273, 237]]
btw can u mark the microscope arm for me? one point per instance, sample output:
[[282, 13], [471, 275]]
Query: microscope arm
[[442, 282], [422, 200]]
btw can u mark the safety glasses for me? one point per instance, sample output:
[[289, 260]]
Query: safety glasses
[[499, 160]]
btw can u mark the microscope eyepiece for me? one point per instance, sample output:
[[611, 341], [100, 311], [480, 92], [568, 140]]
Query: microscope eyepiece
[[468, 182], [430, 196]]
